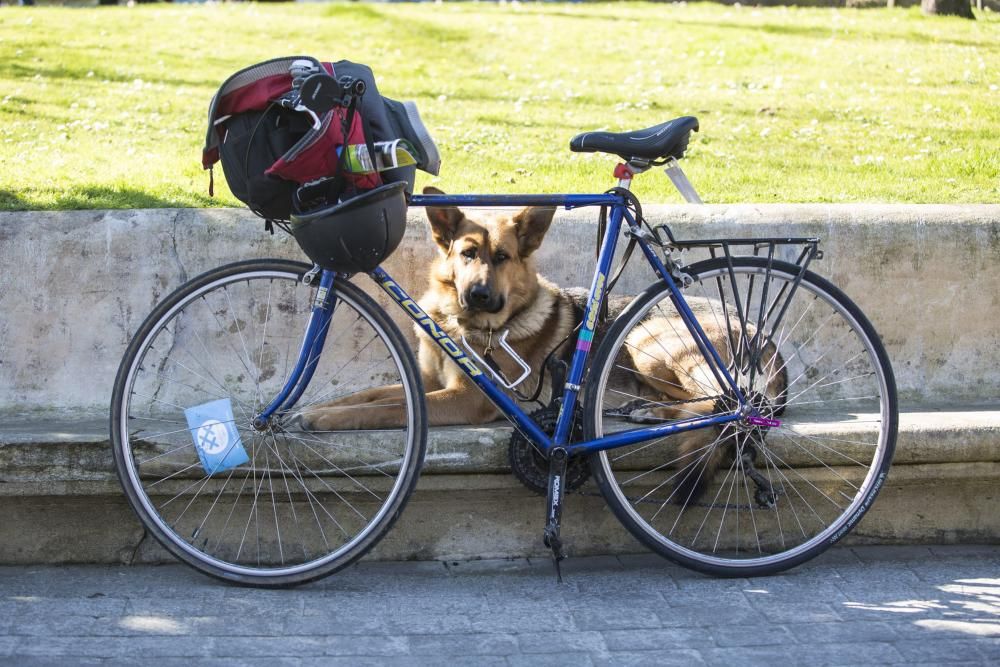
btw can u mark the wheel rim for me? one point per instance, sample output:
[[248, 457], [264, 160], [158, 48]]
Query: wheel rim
[[818, 455], [303, 501]]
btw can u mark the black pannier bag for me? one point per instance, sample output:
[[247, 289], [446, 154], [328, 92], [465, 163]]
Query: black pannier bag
[[268, 151]]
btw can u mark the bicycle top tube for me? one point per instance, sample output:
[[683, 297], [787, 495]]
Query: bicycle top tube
[[484, 201]]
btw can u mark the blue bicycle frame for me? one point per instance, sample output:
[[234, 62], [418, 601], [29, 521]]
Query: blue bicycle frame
[[325, 303]]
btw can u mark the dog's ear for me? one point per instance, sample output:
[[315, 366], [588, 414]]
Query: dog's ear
[[532, 224], [444, 221]]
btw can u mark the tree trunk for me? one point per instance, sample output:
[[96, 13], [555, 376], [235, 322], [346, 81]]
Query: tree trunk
[[961, 8]]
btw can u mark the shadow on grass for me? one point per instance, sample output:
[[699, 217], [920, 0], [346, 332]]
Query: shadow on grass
[[17, 71], [11, 201], [824, 32], [425, 30], [28, 109], [99, 197], [530, 125]]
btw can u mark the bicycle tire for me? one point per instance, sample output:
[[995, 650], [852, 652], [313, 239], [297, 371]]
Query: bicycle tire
[[820, 372], [234, 333]]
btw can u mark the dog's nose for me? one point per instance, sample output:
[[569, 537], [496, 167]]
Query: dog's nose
[[479, 296]]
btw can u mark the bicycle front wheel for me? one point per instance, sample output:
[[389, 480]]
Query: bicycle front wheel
[[745, 498], [272, 507]]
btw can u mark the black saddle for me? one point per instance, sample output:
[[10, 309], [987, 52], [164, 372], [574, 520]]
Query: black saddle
[[659, 142]]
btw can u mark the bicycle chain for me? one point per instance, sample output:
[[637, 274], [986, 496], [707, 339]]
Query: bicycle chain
[[529, 465], [619, 411]]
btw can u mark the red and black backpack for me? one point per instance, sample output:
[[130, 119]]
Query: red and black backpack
[[269, 150]]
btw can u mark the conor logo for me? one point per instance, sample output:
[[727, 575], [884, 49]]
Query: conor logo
[[424, 320]]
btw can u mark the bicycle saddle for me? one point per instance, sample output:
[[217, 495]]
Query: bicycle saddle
[[661, 141]]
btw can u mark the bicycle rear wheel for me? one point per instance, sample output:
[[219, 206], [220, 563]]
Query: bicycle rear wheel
[[744, 499], [277, 507]]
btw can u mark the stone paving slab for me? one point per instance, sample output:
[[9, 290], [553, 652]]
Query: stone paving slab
[[935, 605]]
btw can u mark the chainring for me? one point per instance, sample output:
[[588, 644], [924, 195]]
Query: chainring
[[529, 464]]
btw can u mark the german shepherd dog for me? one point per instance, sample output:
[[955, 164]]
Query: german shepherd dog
[[483, 281]]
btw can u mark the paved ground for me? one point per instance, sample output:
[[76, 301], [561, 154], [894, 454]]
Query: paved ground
[[858, 606]]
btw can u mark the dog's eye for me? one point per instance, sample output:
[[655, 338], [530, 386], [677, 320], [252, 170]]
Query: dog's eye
[[470, 253], [500, 257]]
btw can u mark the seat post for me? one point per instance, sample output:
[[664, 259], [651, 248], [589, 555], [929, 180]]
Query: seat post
[[681, 182]]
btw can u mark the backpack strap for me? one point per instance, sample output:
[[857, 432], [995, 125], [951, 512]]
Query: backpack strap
[[366, 132]]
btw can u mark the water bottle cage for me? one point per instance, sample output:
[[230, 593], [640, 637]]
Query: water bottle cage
[[492, 366]]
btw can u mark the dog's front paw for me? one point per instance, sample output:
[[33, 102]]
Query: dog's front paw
[[625, 410], [641, 411], [328, 419], [646, 416]]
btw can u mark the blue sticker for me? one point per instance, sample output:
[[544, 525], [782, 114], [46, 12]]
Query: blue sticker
[[216, 438]]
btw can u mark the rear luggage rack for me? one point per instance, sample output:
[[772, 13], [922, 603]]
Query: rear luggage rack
[[809, 245]]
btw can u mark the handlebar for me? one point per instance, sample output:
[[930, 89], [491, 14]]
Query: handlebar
[[319, 93]]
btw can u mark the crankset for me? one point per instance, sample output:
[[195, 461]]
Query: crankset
[[531, 467]]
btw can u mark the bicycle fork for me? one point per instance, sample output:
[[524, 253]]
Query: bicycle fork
[[324, 304]]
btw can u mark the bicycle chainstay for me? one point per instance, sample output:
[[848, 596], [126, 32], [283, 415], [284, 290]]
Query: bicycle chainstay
[[766, 495]]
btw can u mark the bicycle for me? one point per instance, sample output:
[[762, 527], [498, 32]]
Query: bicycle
[[280, 507]]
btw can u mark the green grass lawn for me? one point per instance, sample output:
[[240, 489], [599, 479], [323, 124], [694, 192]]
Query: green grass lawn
[[106, 107]]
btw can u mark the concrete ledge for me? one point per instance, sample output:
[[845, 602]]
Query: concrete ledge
[[47, 457], [492, 516], [60, 475], [926, 276]]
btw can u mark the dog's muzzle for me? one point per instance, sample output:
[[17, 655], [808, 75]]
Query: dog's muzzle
[[481, 298]]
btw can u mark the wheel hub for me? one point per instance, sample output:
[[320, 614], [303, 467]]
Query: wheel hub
[[757, 414], [750, 432]]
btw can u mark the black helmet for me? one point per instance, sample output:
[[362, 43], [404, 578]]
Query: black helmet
[[355, 235]]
